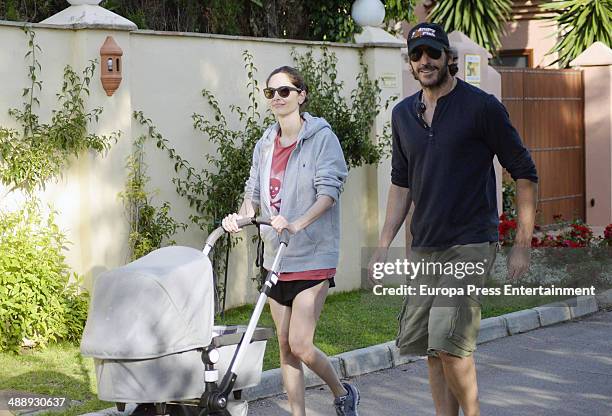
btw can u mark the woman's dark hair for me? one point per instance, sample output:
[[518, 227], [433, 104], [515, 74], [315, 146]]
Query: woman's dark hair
[[295, 77]]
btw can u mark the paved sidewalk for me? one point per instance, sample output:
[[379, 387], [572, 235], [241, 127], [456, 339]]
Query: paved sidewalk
[[560, 370]]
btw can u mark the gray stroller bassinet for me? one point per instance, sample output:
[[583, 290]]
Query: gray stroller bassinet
[[151, 333]]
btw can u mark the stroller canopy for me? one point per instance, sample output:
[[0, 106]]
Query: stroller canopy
[[160, 304]]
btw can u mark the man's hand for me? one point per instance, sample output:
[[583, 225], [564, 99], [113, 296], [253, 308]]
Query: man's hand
[[399, 200], [279, 223], [379, 256], [526, 203], [518, 262]]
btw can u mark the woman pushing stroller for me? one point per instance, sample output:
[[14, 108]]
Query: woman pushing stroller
[[296, 177]]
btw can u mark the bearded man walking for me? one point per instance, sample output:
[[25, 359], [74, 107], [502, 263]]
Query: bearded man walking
[[444, 140]]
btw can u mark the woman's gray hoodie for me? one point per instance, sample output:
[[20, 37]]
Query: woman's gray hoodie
[[316, 167]]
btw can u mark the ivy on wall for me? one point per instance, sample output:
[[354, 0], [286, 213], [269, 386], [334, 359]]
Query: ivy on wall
[[151, 227], [40, 152]]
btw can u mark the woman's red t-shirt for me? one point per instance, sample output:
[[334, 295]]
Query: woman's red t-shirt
[[280, 157]]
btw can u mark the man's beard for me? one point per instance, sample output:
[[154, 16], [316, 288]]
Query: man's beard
[[439, 80]]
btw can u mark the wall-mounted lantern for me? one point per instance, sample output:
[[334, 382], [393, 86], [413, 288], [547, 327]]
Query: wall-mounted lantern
[[110, 54]]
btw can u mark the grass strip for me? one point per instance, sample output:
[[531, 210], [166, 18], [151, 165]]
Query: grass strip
[[350, 320]]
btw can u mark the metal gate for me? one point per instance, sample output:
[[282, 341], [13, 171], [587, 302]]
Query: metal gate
[[547, 109]]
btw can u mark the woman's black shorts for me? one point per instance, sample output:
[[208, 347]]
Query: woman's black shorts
[[285, 291]]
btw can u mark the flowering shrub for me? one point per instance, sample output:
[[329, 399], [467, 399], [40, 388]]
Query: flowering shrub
[[574, 235], [607, 240], [507, 229], [567, 256]]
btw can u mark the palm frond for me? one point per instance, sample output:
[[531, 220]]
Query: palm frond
[[580, 24], [481, 20]]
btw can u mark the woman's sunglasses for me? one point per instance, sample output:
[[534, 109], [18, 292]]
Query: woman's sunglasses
[[282, 91], [433, 53]]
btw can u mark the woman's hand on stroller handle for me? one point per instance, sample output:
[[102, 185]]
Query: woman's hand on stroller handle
[[280, 223], [234, 223], [230, 223]]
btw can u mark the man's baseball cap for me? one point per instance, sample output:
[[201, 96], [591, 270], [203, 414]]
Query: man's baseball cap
[[429, 34]]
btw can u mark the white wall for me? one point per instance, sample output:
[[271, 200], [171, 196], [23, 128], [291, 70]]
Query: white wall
[[163, 75]]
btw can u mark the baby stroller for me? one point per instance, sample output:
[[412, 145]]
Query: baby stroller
[[150, 332]]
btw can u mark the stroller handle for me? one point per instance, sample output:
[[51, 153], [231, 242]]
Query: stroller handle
[[243, 222]]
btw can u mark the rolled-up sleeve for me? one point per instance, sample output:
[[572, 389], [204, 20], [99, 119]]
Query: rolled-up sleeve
[[251, 188], [400, 173], [503, 139], [331, 170]]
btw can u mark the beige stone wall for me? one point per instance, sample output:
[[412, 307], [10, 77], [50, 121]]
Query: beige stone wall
[[538, 35], [598, 144], [596, 65], [163, 75]]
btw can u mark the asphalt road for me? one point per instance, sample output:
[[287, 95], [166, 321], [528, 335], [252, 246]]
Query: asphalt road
[[560, 370]]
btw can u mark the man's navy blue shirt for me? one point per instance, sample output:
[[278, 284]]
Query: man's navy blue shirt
[[449, 166]]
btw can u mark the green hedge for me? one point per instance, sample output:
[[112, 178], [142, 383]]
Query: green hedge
[[38, 301]]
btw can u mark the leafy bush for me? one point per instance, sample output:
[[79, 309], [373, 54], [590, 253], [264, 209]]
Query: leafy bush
[[328, 20], [352, 119], [331, 20], [37, 300]]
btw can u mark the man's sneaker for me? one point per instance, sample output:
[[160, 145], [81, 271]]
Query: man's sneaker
[[347, 405]]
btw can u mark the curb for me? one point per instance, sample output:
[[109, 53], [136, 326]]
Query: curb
[[385, 356]]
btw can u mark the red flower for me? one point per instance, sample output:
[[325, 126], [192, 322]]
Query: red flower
[[582, 230], [608, 232]]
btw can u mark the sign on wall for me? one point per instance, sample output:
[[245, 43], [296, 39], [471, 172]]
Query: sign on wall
[[472, 69]]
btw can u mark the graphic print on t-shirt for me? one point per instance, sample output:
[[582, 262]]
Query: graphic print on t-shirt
[[280, 157], [275, 185]]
